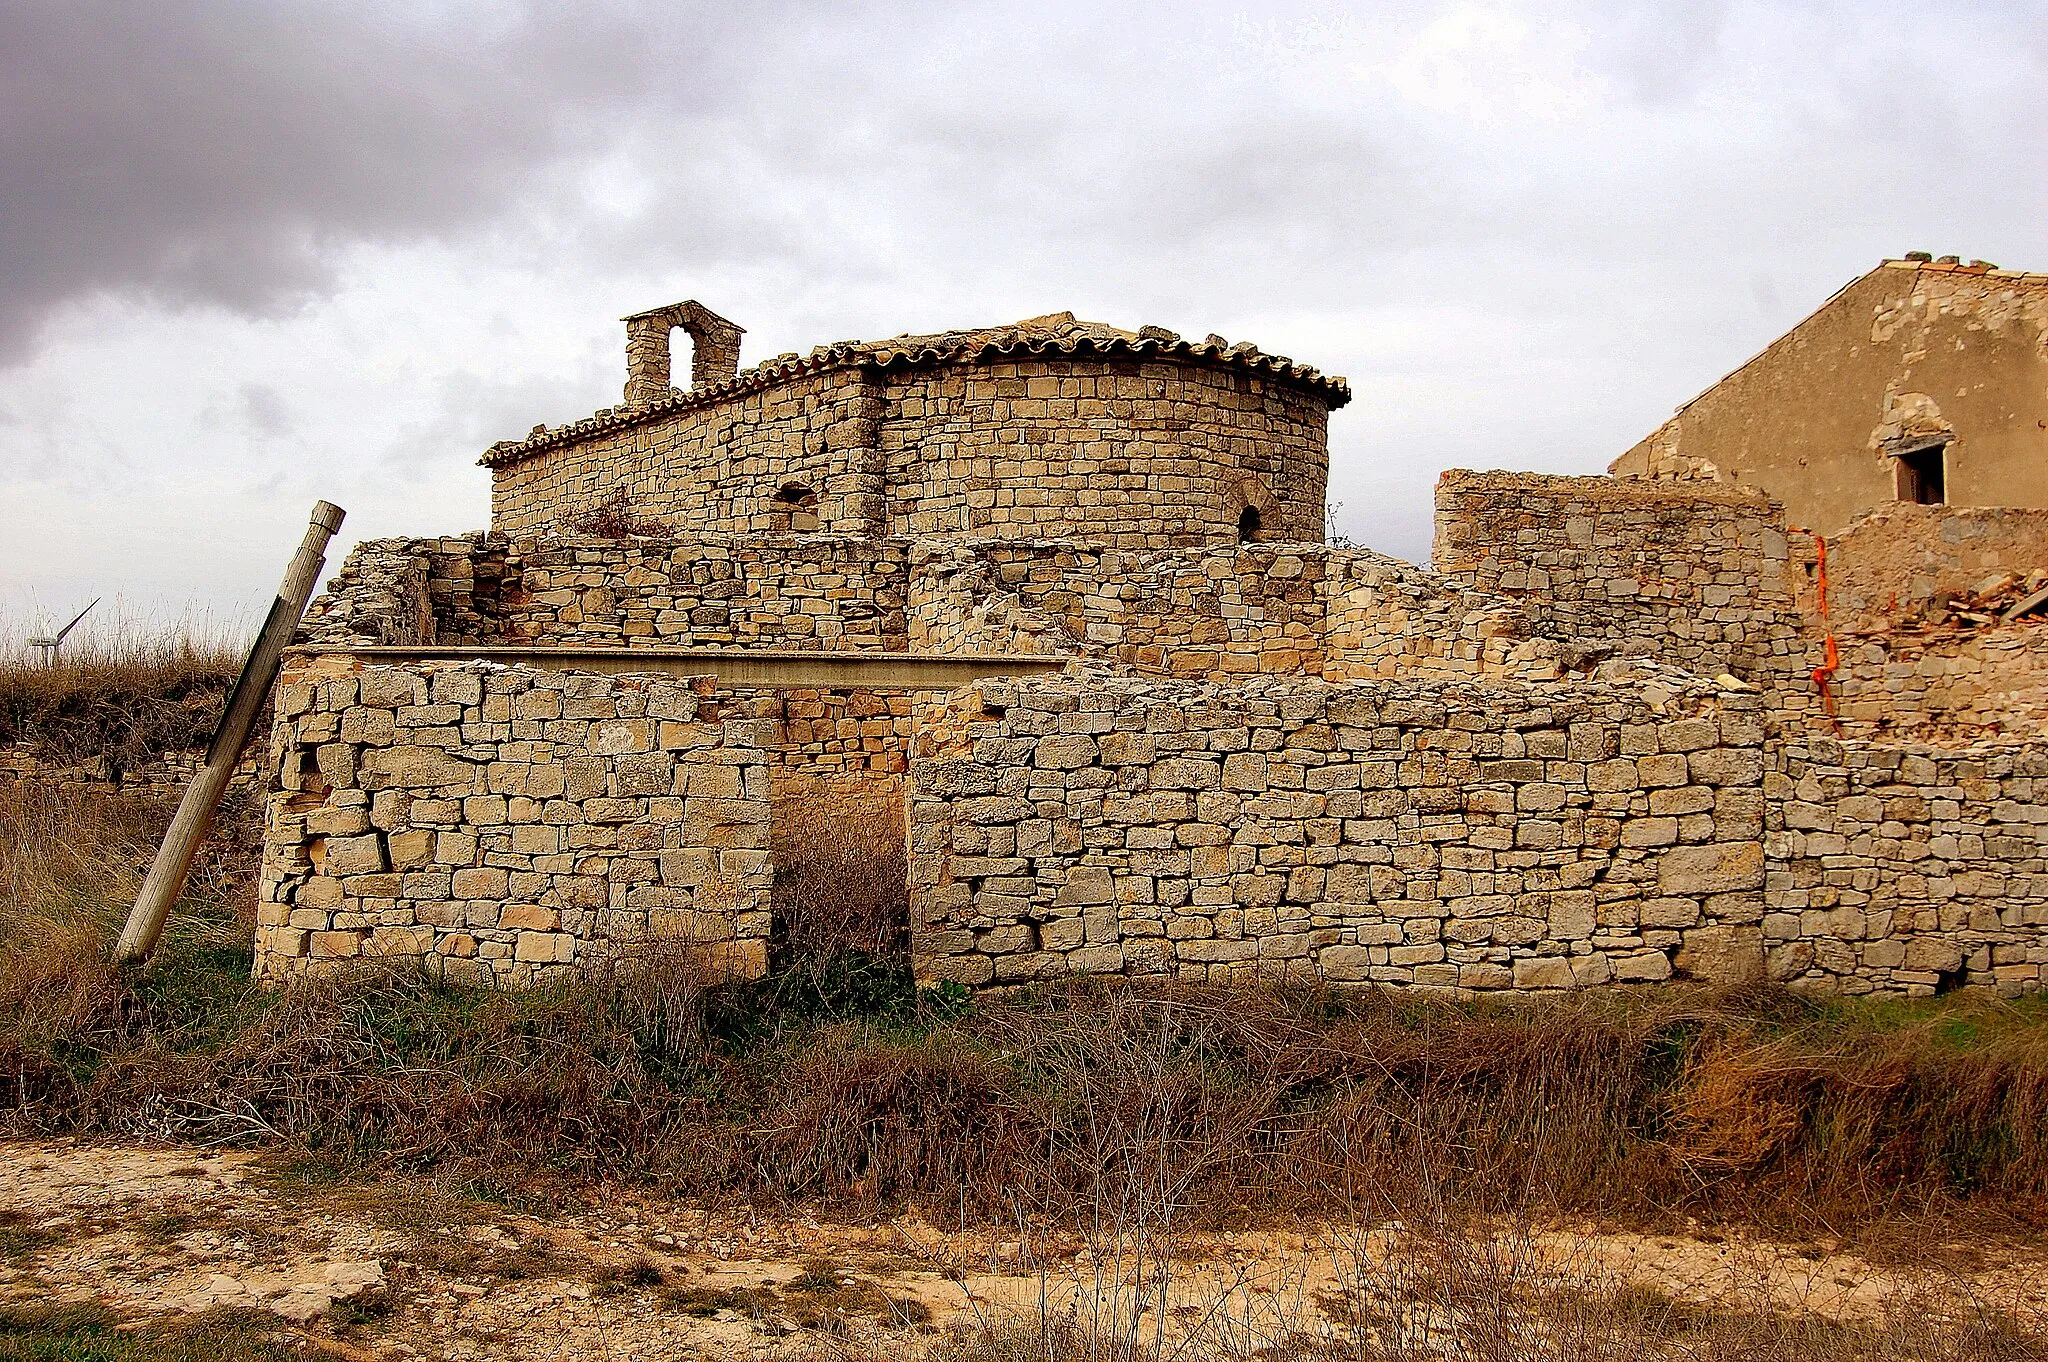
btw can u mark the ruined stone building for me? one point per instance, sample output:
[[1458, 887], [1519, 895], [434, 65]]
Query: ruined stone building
[[1048, 608], [1924, 381]]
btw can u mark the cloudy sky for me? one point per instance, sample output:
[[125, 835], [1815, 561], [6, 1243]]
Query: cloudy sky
[[255, 255]]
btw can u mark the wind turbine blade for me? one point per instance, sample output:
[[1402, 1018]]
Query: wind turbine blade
[[74, 621]]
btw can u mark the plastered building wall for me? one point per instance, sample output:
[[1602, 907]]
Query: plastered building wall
[[1895, 560], [1908, 352]]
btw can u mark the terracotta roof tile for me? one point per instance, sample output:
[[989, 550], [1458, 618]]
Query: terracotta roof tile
[[1055, 336]]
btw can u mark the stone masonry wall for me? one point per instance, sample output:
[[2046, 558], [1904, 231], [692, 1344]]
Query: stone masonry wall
[[794, 591], [508, 824], [717, 467], [1137, 454], [787, 591], [1414, 832], [164, 778], [1907, 868], [377, 597], [1691, 574], [1239, 610], [1243, 610], [1385, 618], [1944, 687]]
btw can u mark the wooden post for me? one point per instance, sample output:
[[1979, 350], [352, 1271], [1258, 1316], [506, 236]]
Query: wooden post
[[195, 811]]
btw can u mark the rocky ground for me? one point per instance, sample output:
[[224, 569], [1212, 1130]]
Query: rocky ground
[[399, 1270]]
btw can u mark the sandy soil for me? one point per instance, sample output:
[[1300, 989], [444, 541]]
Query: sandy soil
[[403, 1270]]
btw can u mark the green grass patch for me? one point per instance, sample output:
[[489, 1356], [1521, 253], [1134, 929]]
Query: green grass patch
[[90, 1332]]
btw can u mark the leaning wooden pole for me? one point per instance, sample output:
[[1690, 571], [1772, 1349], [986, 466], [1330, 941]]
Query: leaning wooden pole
[[195, 811]]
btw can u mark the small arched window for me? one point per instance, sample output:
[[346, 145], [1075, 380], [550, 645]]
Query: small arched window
[[795, 508], [1248, 525]]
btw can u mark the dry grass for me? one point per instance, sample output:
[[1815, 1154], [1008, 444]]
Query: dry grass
[[841, 880], [1178, 1106], [124, 701], [1457, 1292], [1111, 1114]]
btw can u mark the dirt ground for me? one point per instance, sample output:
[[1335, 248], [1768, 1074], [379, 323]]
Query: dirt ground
[[400, 1270]]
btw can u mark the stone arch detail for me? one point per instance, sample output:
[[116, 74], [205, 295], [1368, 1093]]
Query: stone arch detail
[[714, 349]]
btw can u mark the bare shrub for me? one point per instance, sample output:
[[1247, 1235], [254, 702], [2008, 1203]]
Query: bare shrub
[[615, 518], [842, 881]]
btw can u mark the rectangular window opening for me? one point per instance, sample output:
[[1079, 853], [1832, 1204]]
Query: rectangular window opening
[[1923, 476]]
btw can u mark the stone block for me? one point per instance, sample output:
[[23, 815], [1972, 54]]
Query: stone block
[[414, 768], [1544, 972], [1085, 885], [411, 848], [1722, 955], [480, 882], [545, 948], [1641, 967], [1345, 964], [1714, 868], [527, 916], [345, 856]]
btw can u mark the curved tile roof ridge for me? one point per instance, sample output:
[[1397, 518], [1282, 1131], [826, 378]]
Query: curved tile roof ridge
[[916, 351]]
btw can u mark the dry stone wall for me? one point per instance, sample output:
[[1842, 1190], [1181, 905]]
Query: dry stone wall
[[799, 592], [1274, 609], [1943, 687], [1907, 868], [509, 824], [378, 597], [1416, 832], [1386, 618], [1436, 834], [764, 591], [1691, 574], [164, 778], [503, 824]]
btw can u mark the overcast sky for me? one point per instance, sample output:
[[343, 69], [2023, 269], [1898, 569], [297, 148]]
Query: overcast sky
[[256, 255]]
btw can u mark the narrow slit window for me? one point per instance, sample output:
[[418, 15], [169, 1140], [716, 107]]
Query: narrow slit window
[[1923, 476]]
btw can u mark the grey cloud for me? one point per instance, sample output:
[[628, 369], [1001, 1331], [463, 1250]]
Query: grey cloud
[[471, 411], [222, 153], [265, 410], [1505, 289]]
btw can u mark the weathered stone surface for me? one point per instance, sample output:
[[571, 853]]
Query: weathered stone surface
[[1576, 756], [1716, 868]]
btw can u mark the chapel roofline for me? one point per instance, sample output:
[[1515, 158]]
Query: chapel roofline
[[986, 346]]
